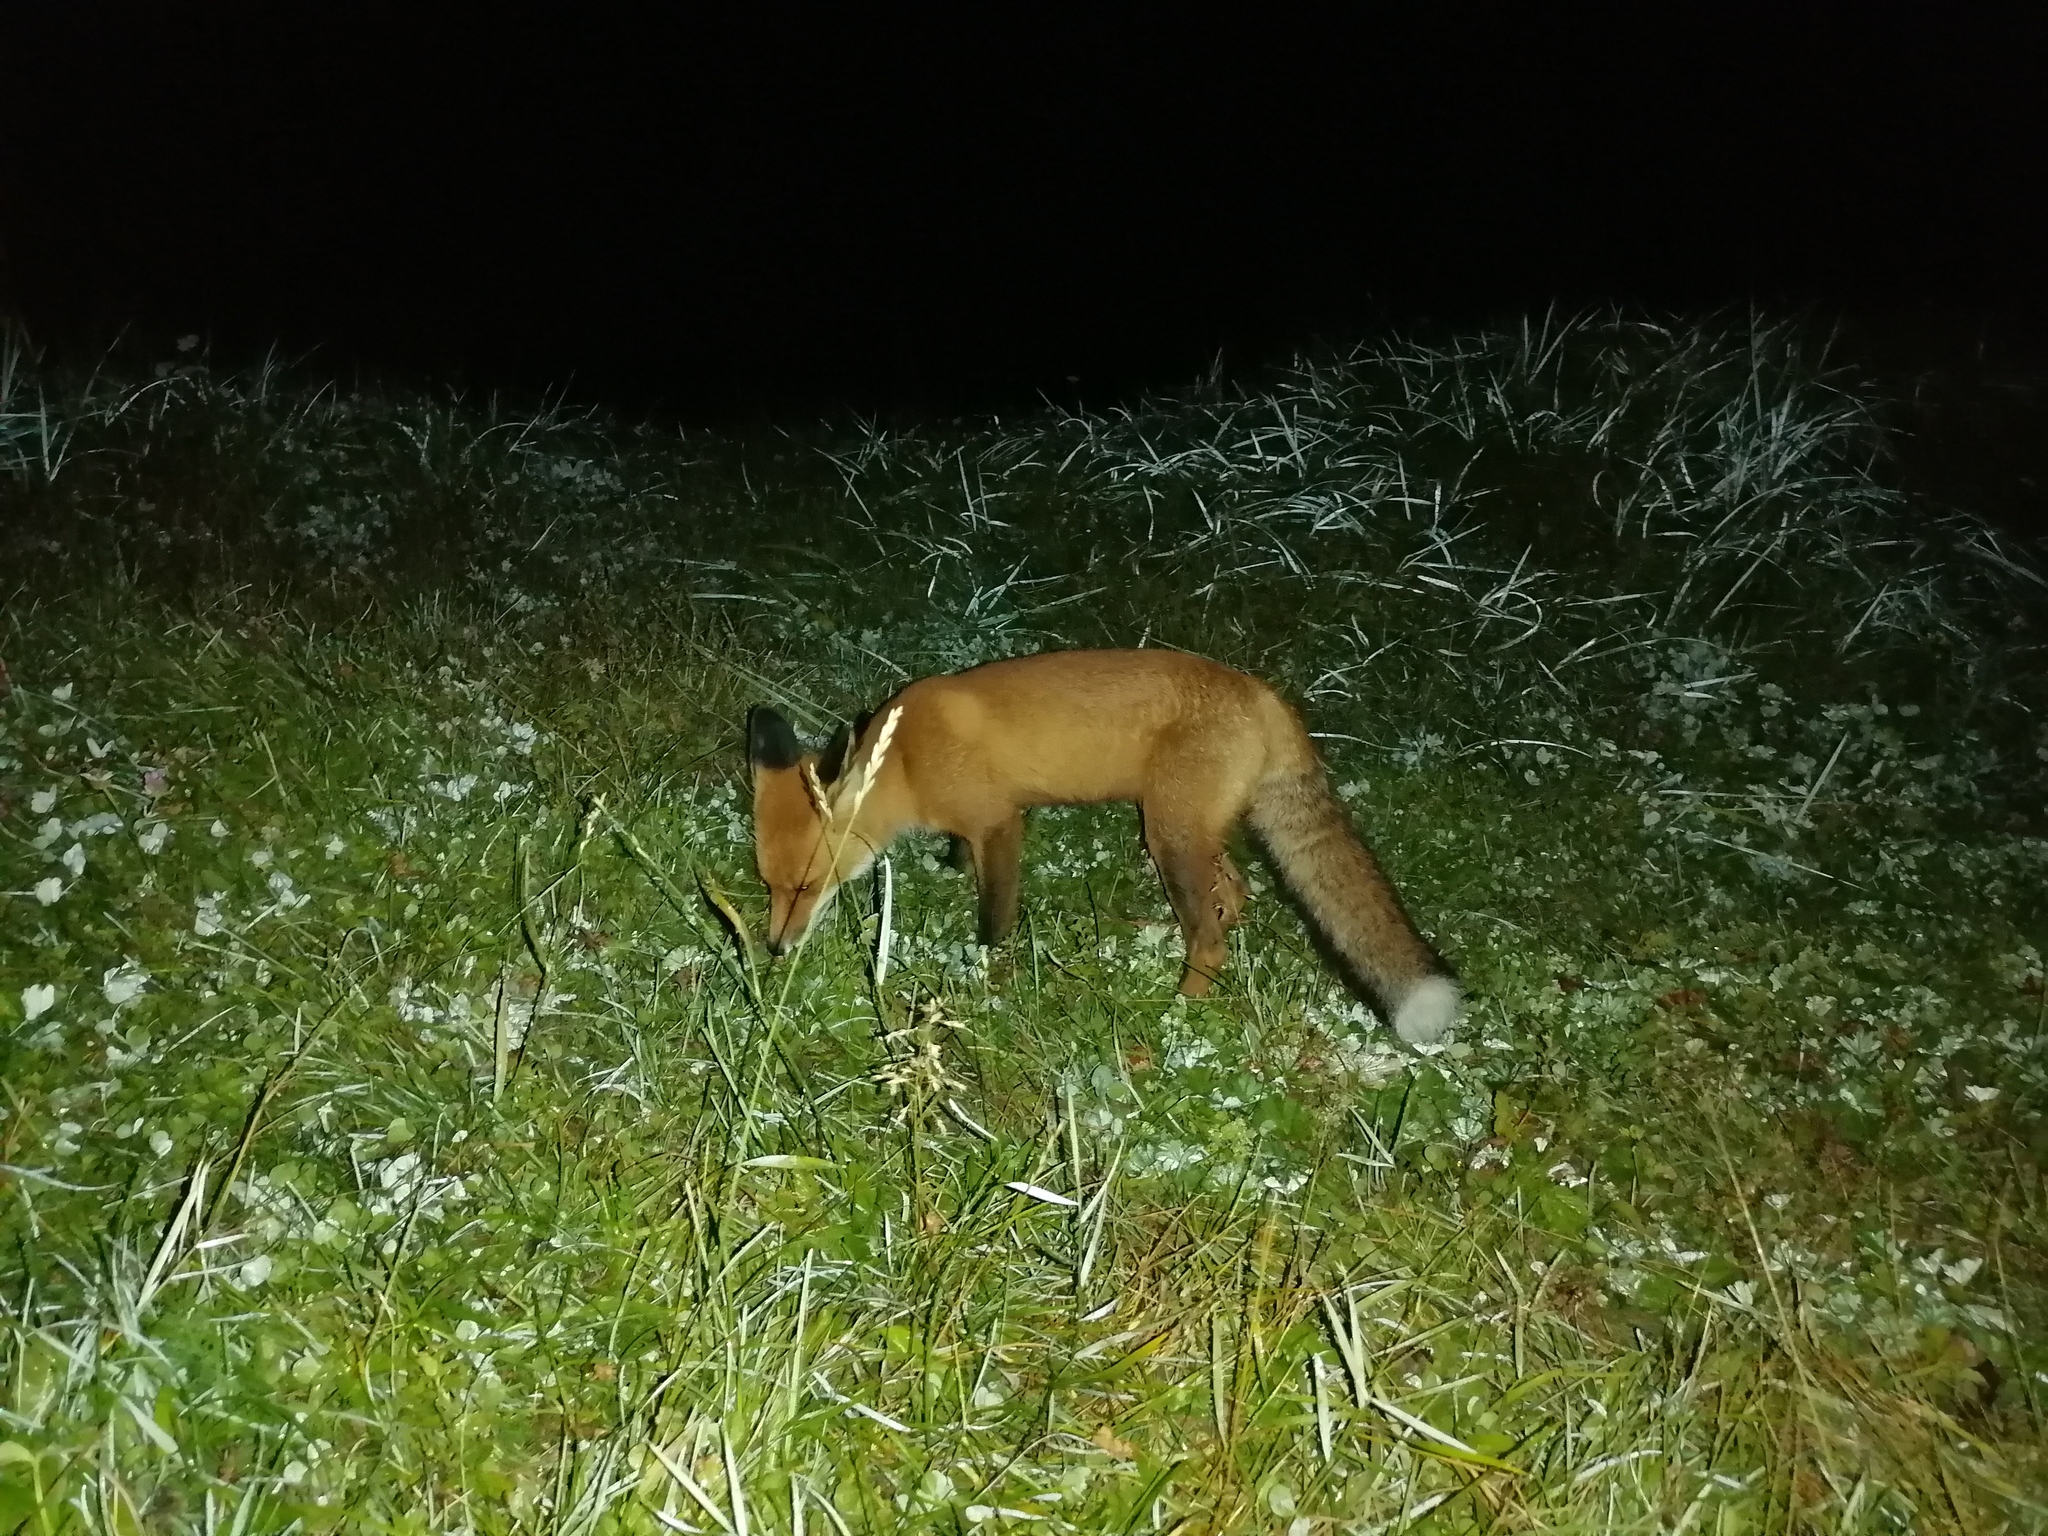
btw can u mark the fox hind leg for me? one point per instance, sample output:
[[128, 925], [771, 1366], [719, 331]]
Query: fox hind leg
[[1228, 892], [1204, 900]]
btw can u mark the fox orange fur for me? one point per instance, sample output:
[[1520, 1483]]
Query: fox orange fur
[[1197, 745]]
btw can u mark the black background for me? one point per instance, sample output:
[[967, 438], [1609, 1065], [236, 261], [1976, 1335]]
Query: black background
[[874, 209]]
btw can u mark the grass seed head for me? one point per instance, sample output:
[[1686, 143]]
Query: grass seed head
[[815, 788]]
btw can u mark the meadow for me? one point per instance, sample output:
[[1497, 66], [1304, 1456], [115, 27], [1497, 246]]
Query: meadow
[[401, 1132]]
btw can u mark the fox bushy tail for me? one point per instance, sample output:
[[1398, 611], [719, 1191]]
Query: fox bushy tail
[[1335, 877]]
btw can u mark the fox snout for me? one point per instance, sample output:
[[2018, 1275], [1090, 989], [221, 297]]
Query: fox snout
[[789, 918], [782, 933]]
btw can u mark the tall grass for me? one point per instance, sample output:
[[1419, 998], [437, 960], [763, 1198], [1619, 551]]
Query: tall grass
[[401, 1134]]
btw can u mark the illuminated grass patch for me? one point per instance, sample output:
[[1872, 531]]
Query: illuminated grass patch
[[396, 1137]]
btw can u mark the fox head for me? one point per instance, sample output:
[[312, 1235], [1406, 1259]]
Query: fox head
[[805, 845]]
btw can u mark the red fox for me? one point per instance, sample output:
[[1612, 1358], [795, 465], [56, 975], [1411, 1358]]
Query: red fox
[[1197, 745]]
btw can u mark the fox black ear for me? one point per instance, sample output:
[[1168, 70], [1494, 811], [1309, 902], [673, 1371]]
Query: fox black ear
[[838, 752], [771, 743]]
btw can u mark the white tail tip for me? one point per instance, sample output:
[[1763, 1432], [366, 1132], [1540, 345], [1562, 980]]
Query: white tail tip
[[1428, 1011]]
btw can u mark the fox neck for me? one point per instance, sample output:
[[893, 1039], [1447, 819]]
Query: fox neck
[[881, 815]]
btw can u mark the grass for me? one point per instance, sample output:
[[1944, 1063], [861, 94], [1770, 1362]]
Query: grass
[[399, 1135]]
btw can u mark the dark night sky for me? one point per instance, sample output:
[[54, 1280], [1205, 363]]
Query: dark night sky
[[873, 207]]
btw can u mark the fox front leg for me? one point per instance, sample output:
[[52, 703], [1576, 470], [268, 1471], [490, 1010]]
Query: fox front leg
[[998, 854]]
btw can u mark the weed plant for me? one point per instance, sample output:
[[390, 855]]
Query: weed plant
[[400, 1133]]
